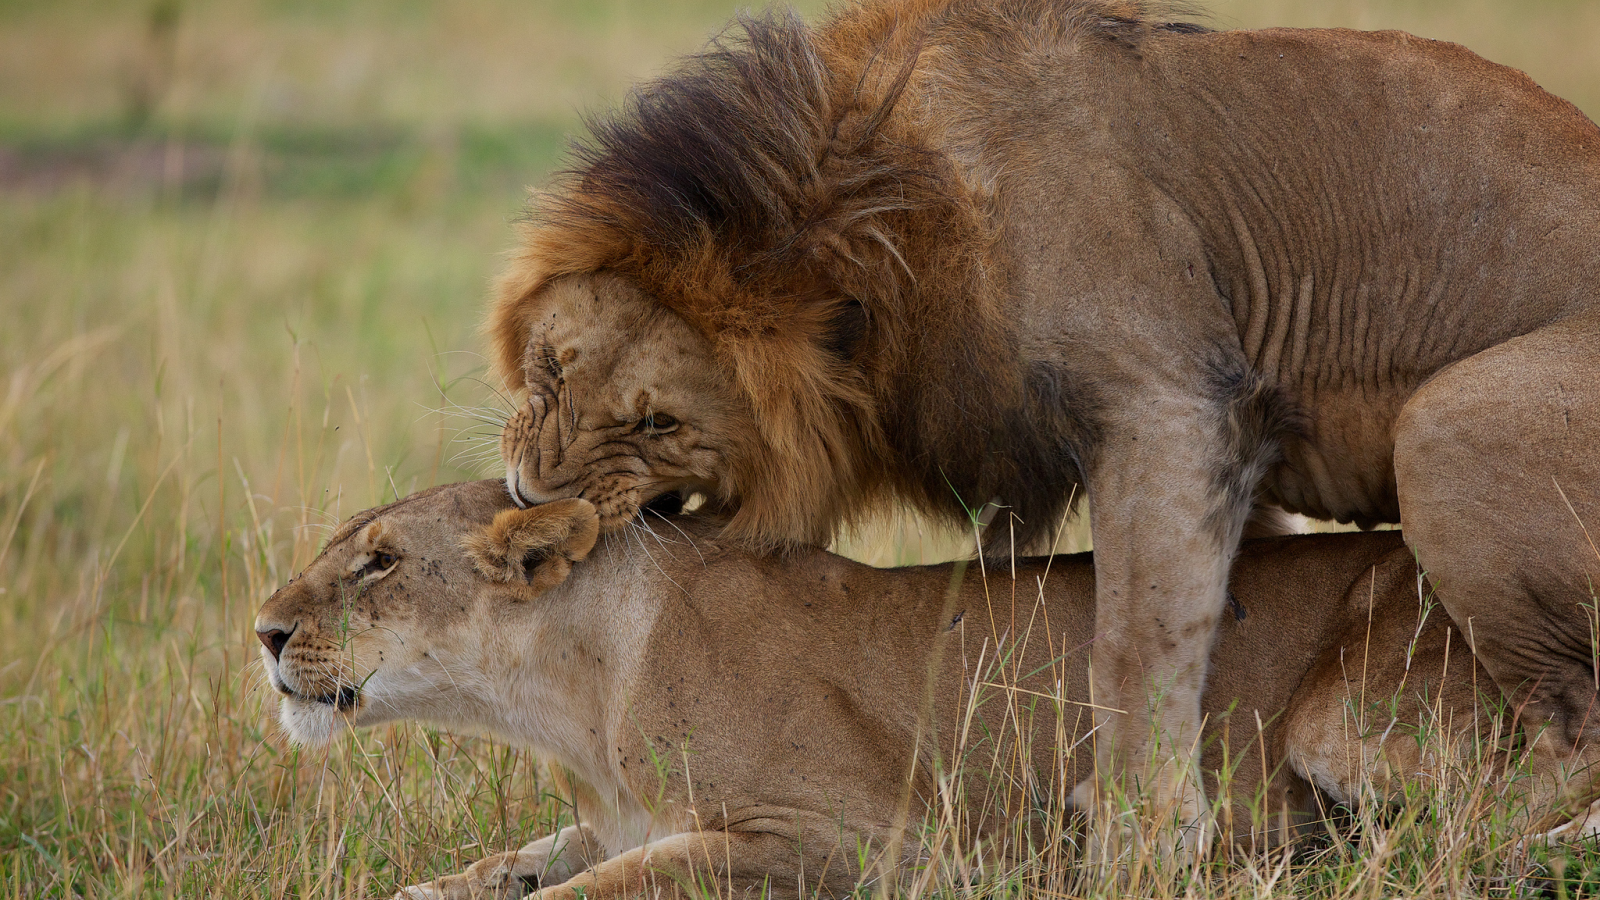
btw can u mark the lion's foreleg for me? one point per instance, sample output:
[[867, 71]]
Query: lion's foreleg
[[550, 860], [1166, 518]]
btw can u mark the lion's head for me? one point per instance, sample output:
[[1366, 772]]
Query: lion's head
[[625, 403], [387, 622], [759, 284]]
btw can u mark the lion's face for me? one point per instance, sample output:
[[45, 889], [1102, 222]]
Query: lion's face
[[387, 622], [625, 403]]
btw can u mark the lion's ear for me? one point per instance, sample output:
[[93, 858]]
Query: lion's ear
[[535, 547]]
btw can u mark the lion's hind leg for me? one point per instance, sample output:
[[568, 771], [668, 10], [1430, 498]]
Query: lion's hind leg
[[1391, 707], [1497, 462]]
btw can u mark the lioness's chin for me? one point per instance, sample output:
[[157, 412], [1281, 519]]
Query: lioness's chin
[[308, 723], [313, 723]]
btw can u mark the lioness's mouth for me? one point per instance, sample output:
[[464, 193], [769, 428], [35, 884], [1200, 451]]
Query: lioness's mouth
[[344, 699]]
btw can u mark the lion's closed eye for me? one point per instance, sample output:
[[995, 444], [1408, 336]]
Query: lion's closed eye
[[657, 423]]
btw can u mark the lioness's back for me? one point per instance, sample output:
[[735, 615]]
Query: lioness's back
[[833, 657]]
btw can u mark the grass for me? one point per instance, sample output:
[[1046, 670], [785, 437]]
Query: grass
[[246, 246]]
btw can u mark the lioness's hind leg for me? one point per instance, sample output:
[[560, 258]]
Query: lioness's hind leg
[[550, 860], [1497, 461]]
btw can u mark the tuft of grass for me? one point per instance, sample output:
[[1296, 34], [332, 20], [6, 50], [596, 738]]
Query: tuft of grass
[[246, 248]]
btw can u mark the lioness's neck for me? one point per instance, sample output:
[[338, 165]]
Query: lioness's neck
[[556, 681]]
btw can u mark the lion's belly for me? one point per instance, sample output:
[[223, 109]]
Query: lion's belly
[[1342, 467]]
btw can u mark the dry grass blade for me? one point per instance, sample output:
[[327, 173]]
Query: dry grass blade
[[242, 241]]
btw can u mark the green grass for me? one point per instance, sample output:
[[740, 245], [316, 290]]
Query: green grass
[[245, 249]]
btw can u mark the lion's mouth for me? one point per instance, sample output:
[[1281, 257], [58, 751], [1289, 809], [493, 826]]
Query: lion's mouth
[[343, 700], [670, 503]]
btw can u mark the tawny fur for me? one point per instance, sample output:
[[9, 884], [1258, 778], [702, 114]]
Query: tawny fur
[[749, 721], [955, 252], [537, 550]]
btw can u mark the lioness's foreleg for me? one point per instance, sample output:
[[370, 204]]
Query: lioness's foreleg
[[550, 860], [1167, 509], [1497, 463], [711, 863]]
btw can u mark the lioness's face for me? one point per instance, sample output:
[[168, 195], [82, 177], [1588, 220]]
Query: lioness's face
[[379, 626], [625, 403]]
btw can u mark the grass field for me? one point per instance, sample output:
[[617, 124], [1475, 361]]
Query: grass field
[[244, 248]]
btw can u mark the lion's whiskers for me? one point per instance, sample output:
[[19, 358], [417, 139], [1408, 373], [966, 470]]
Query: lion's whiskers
[[634, 526], [686, 537], [482, 445]]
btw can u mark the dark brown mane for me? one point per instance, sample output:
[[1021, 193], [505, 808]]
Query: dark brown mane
[[725, 149], [764, 146], [758, 154]]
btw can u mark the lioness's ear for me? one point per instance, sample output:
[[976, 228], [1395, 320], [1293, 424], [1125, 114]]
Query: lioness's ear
[[536, 546]]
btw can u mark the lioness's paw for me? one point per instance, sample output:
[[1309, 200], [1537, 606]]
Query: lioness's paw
[[535, 546], [500, 882]]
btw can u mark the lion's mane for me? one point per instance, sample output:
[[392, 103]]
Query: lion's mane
[[778, 194]]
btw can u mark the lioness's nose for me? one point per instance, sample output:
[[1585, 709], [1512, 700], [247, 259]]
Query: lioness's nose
[[273, 639]]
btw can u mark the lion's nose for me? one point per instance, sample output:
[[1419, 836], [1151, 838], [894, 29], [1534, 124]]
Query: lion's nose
[[274, 638]]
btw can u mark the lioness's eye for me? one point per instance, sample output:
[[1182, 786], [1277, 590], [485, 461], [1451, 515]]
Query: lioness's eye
[[657, 423], [382, 561]]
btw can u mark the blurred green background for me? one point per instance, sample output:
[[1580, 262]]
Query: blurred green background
[[244, 250]]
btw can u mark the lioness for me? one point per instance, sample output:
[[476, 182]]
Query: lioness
[[760, 721], [962, 251]]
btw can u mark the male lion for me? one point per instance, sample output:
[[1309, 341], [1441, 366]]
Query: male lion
[[955, 252], [750, 720]]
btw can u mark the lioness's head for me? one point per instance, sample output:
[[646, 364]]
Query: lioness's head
[[388, 621]]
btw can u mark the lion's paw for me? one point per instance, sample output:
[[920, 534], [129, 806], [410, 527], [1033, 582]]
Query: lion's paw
[[1173, 828]]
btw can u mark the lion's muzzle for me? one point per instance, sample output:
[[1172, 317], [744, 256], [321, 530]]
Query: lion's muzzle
[[274, 639], [549, 457], [533, 448]]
